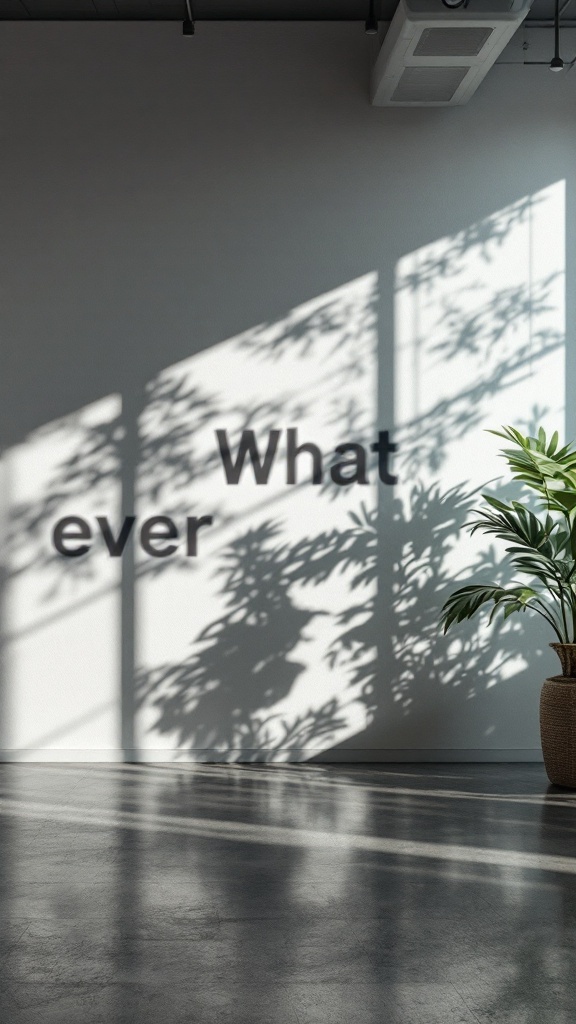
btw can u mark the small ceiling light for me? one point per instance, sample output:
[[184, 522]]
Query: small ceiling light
[[188, 23], [557, 64], [371, 23]]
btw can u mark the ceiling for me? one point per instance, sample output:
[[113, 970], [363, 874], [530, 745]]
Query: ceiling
[[268, 10]]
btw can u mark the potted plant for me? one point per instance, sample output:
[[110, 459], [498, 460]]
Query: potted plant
[[541, 549]]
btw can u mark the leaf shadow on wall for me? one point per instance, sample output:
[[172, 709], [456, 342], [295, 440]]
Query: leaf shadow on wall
[[227, 694], [218, 699]]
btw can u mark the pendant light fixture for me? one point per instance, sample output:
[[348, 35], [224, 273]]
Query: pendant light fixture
[[371, 23], [557, 64], [188, 23]]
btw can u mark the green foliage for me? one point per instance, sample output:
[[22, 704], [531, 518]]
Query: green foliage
[[541, 544], [539, 465]]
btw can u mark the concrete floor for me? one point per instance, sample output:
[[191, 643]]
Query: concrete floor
[[431, 894]]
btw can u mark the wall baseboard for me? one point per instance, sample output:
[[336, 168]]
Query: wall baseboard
[[199, 756]]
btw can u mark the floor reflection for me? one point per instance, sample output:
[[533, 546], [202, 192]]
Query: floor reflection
[[203, 893]]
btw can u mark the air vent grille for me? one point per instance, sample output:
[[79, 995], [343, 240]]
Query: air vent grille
[[452, 42], [428, 85], [434, 54]]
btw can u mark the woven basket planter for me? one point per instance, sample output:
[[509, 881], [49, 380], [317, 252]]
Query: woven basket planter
[[558, 720]]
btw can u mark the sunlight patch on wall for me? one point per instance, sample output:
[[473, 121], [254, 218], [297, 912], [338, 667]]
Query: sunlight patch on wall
[[480, 338], [480, 324], [61, 615], [250, 645]]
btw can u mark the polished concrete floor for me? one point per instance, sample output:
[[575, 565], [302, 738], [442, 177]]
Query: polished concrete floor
[[313, 894]]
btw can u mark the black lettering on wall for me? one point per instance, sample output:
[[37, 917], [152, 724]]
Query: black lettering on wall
[[294, 449], [357, 464], [117, 544], [68, 530], [385, 448], [247, 446], [193, 524], [157, 530]]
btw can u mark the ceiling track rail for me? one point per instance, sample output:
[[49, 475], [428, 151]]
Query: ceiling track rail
[[529, 23]]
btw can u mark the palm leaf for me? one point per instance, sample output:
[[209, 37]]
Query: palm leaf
[[466, 601], [540, 544]]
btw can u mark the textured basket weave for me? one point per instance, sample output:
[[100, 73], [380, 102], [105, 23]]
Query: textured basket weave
[[558, 720], [567, 655]]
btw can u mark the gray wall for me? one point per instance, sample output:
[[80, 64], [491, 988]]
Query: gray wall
[[218, 232]]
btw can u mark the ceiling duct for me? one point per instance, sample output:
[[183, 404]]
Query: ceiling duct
[[433, 56]]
